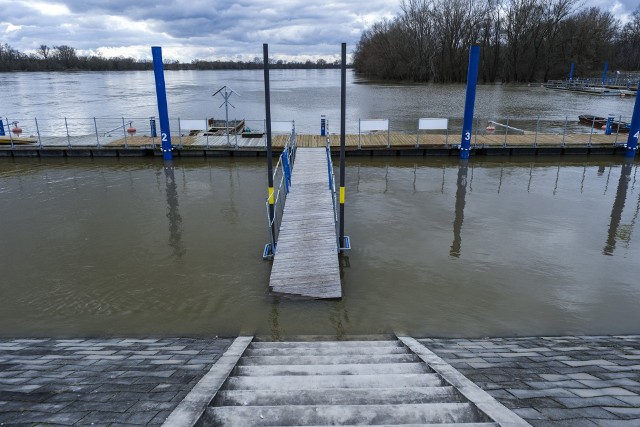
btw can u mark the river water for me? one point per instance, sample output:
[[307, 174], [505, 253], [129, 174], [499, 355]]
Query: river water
[[526, 246], [300, 95], [134, 247]]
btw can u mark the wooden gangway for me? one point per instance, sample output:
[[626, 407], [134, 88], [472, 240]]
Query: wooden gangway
[[305, 264]]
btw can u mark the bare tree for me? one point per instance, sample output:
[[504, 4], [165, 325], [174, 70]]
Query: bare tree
[[44, 51], [66, 55]]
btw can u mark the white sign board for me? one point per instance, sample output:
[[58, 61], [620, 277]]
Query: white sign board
[[281, 126], [430, 124], [374, 124], [193, 124]]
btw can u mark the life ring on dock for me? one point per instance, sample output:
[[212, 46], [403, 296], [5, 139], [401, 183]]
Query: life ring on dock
[[17, 130], [131, 130]]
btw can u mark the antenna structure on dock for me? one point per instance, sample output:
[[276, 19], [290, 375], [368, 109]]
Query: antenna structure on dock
[[226, 93]]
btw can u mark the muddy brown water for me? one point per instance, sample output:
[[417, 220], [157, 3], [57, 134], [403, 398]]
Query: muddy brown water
[[501, 247]]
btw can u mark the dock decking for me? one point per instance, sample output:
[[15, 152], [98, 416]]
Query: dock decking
[[306, 260]]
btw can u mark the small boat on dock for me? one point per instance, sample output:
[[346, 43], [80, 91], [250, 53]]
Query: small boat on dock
[[598, 122], [219, 127], [591, 120]]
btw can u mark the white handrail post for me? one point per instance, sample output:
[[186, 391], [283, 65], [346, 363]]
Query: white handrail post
[[124, 132], [95, 127], [67, 128], [38, 131], [10, 132]]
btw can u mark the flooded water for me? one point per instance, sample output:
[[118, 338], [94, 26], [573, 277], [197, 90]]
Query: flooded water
[[505, 247], [300, 95]]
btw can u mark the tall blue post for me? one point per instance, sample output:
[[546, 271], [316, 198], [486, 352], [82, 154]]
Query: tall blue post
[[1, 127], [573, 66], [472, 80], [634, 130], [161, 94], [604, 75]]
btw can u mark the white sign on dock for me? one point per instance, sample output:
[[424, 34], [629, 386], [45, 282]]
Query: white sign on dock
[[282, 126], [374, 124], [433, 124], [193, 124]]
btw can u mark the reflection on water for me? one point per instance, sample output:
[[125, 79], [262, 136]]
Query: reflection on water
[[461, 193], [173, 213], [131, 247], [616, 232]]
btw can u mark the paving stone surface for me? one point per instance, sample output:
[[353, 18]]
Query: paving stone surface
[[554, 381], [100, 381]]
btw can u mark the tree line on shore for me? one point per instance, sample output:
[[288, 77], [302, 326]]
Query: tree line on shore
[[520, 41], [66, 58]]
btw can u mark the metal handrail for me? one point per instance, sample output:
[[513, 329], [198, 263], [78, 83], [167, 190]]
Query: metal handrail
[[332, 184], [283, 168]]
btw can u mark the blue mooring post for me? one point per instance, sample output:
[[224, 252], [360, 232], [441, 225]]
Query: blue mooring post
[[1, 128], [634, 130], [472, 80], [608, 128], [573, 65], [161, 94], [323, 125], [604, 75]]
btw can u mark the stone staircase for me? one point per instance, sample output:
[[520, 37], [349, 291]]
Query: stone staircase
[[315, 383]]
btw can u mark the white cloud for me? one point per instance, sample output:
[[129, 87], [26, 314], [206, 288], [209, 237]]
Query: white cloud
[[10, 28], [48, 9]]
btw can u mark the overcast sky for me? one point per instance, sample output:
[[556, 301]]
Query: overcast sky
[[204, 29]]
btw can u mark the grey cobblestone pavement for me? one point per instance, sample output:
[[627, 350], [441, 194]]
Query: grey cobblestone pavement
[[549, 381], [100, 381], [554, 381]]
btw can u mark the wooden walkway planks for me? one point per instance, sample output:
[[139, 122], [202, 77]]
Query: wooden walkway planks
[[306, 260]]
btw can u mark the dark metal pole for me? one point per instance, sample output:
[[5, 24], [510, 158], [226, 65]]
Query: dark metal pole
[[343, 107], [267, 105]]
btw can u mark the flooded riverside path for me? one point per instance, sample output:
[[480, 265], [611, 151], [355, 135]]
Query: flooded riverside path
[[95, 247]]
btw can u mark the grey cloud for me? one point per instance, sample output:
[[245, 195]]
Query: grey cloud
[[230, 28]]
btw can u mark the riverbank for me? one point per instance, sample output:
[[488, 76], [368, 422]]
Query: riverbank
[[548, 381]]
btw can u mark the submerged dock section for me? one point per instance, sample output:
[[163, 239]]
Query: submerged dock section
[[305, 264]]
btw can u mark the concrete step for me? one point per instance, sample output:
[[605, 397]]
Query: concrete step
[[325, 344], [328, 360], [342, 414], [347, 369], [311, 382], [324, 351], [353, 396], [420, 425]]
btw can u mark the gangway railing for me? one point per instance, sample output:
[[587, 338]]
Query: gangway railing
[[332, 185], [282, 175]]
